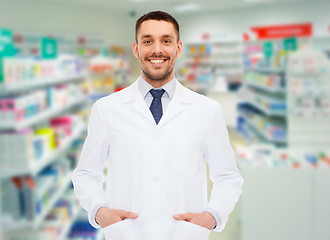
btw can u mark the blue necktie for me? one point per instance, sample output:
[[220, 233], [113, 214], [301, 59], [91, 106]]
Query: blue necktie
[[156, 104]]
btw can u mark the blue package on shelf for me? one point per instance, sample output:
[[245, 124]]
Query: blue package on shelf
[[38, 148], [50, 172], [278, 134], [204, 77], [65, 203], [83, 230], [277, 106]]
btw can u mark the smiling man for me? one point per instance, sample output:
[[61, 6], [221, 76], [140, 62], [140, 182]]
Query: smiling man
[[156, 137]]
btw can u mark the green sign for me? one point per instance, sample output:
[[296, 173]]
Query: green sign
[[268, 49], [48, 48], [290, 44], [6, 43]]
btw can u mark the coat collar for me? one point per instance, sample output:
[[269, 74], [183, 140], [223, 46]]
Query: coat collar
[[181, 93], [181, 97]]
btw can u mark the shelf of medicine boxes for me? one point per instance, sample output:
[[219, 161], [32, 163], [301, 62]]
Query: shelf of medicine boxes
[[262, 134], [8, 88], [67, 227], [44, 115], [10, 225], [271, 105], [227, 57], [47, 159]]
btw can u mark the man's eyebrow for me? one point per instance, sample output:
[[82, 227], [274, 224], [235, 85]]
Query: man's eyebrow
[[146, 36], [163, 36], [168, 36]]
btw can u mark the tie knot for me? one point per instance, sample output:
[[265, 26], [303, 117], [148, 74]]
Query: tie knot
[[157, 93]]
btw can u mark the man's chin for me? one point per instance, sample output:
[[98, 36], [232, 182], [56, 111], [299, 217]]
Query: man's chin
[[157, 76]]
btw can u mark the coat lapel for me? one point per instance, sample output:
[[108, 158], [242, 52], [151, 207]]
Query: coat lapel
[[134, 97], [176, 106]]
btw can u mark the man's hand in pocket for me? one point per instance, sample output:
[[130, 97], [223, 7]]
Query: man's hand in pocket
[[107, 216], [204, 219]]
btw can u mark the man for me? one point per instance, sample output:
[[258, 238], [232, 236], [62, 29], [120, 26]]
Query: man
[[156, 137]]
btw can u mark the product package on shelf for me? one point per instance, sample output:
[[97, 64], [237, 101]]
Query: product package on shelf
[[20, 108], [17, 149], [26, 148], [270, 156], [83, 230], [27, 69], [108, 74], [263, 128], [257, 57], [268, 82], [29, 197], [57, 223]]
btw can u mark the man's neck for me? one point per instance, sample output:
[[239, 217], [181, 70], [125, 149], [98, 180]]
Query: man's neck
[[158, 83]]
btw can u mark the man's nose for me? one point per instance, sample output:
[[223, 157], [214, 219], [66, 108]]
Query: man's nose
[[158, 48]]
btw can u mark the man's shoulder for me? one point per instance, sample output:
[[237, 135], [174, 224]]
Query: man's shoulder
[[199, 98]]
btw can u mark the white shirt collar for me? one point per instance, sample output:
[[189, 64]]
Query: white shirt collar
[[144, 87]]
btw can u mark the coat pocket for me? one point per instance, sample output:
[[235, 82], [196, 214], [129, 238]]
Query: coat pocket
[[186, 151], [189, 231], [118, 231]]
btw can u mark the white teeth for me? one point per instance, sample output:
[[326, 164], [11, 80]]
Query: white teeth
[[157, 61]]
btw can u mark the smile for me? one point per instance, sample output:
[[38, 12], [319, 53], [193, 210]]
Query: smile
[[157, 61]]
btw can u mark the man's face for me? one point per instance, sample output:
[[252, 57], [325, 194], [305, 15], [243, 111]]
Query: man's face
[[157, 48]]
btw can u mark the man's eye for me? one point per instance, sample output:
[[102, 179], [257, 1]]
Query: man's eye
[[167, 41], [147, 41]]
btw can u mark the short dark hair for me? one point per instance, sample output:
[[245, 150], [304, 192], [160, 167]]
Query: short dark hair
[[158, 16]]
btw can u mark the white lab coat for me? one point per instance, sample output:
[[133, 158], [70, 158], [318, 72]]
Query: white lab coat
[[157, 170]]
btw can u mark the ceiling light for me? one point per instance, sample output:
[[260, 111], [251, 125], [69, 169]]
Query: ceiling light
[[258, 1], [186, 7]]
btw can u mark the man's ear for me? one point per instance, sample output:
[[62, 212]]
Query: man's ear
[[135, 50], [179, 49]]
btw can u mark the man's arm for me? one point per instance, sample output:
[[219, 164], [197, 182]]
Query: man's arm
[[227, 181], [88, 176]]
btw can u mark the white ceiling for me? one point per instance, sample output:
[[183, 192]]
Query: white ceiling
[[139, 7]]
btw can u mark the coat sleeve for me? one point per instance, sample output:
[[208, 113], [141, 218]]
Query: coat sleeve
[[88, 177], [226, 178]]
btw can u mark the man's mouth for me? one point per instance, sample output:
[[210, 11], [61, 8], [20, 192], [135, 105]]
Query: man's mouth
[[157, 61]]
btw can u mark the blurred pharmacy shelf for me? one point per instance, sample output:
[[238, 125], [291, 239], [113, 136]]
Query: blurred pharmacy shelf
[[267, 70], [262, 134], [308, 99], [212, 63], [10, 225], [298, 173], [66, 229], [47, 159], [44, 115], [265, 110], [266, 89], [57, 83], [9, 88]]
